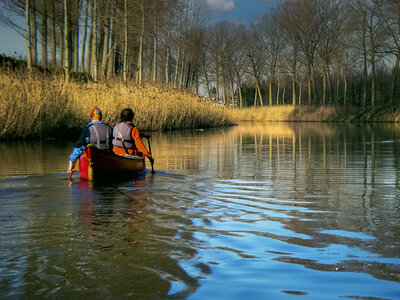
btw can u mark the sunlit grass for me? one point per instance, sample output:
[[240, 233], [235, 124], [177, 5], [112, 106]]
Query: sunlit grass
[[35, 105], [328, 113], [283, 113]]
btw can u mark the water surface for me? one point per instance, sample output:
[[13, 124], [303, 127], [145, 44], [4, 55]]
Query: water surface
[[258, 211]]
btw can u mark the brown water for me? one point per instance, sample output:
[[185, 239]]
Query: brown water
[[257, 211]]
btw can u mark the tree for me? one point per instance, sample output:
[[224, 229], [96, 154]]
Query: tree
[[273, 39], [28, 34], [66, 47], [257, 58]]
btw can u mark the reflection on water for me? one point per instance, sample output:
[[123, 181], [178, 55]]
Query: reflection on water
[[274, 210]]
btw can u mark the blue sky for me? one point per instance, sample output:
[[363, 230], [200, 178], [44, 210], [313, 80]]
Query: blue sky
[[246, 11], [239, 10]]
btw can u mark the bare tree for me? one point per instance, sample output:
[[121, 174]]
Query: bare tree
[[334, 21], [66, 48], [273, 39], [124, 76], [257, 58], [28, 34]]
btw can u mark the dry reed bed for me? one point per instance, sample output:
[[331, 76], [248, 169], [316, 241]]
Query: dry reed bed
[[317, 114], [283, 113], [34, 105]]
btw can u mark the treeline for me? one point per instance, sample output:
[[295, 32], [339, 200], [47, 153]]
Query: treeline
[[304, 52]]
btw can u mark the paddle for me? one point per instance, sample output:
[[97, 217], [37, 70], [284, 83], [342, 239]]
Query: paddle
[[147, 136]]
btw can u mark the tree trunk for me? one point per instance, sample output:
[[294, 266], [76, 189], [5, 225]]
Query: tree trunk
[[364, 46], [300, 94], [75, 37], [154, 42], [314, 84], [239, 90], [33, 31], [167, 58], [140, 56], [294, 67], [270, 91], [324, 86], [66, 47], [395, 76], [90, 44], [125, 40], [223, 87], [53, 39], [345, 89], [85, 24], [207, 80], [113, 44], [94, 40], [177, 66], [217, 81], [28, 34], [309, 89], [106, 44], [232, 92], [259, 92], [329, 81], [182, 68], [44, 34], [277, 92]]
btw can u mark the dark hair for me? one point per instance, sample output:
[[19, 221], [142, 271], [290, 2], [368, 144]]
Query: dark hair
[[127, 114]]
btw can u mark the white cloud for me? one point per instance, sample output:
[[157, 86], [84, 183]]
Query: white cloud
[[221, 5]]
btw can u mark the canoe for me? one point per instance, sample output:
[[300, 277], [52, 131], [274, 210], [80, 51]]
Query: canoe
[[95, 164]]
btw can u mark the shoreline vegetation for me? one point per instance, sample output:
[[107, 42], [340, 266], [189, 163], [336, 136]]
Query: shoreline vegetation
[[38, 105], [290, 113], [35, 105]]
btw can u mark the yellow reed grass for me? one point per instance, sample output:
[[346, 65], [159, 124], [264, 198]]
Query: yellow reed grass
[[283, 113], [34, 105]]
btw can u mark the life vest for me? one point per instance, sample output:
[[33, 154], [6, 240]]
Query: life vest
[[123, 136], [100, 135]]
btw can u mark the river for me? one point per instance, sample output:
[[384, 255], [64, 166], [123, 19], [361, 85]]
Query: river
[[255, 211]]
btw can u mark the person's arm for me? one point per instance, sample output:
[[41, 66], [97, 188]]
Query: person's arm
[[80, 145], [139, 143]]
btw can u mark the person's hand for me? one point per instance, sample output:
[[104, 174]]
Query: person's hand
[[71, 168], [151, 159]]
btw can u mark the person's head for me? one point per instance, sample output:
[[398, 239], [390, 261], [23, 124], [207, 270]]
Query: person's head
[[96, 114], [127, 115]]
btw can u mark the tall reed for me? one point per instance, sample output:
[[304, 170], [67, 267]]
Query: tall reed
[[37, 105], [284, 113]]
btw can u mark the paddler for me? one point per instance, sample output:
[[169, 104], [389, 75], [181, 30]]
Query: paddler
[[127, 138], [96, 132]]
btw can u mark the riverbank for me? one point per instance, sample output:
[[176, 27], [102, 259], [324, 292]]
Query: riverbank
[[34, 105], [316, 114]]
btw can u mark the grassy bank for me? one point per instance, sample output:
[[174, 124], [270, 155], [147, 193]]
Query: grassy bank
[[35, 105], [316, 114]]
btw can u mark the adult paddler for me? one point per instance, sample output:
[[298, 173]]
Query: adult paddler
[[96, 132], [127, 138]]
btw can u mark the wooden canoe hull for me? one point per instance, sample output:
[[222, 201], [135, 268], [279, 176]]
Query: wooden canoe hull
[[95, 163]]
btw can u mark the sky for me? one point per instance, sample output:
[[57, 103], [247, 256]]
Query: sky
[[241, 11]]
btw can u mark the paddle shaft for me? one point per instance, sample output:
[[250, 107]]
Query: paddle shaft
[[152, 164]]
